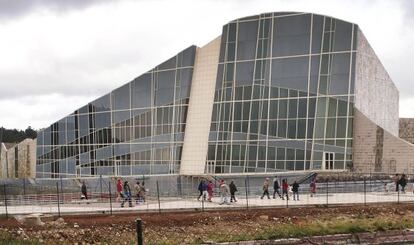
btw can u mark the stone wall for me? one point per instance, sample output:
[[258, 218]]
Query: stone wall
[[26, 159], [407, 129], [377, 150], [200, 109], [376, 96], [3, 161]]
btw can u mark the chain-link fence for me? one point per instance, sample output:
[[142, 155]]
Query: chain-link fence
[[168, 193]]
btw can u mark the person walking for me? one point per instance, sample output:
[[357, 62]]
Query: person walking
[[84, 190], [312, 187], [265, 189], [126, 194], [119, 190], [285, 188], [204, 188], [224, 193], [295, 190], [143, 191], [276, 188], [403, 182], [200, 189], [233, 190], [137, 190], [396, 180], [210, 187]]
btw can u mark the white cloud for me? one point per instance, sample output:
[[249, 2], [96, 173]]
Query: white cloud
[[86, 52]]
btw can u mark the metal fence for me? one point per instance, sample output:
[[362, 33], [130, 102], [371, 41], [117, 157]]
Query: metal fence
[[163, 194]]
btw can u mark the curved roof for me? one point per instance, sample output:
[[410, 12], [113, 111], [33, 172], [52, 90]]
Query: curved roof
[[281, 14]]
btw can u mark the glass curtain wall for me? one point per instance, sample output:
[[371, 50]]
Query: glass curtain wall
[[284, 95], [137, 129]]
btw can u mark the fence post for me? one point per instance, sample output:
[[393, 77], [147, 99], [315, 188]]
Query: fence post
[[336, 183], [100, 184], [287, 199], [398, 196], [327, 192], [61, 190], [202, 203], [58, 199], [158, 197], [140, 238], [110, 197], [5, 200], [246, 187], [365, 191], [24, 188]]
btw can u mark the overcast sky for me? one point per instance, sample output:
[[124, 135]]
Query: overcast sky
[[56, 56]]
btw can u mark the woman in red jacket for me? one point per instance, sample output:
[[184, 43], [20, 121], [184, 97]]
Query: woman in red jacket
[[285, 188], [210, 187], [119, 190]]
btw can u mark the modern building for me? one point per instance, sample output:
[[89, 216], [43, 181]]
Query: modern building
[[275, 92]]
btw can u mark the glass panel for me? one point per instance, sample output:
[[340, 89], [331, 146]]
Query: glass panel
[[291, 73], [291, 35]]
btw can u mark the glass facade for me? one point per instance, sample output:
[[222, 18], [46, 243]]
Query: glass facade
[[283, 101], [284, 95], [134, 130]]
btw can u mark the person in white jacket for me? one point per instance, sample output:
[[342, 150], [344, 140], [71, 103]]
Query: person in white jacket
[[224, 193]]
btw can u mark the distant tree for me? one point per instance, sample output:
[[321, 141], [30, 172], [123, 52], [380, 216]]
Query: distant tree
[[30, 133], [15, 136]]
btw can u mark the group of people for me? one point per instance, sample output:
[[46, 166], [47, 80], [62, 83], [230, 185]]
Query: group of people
[[285, 189], [400, 181], [125, 194], [205, 189]]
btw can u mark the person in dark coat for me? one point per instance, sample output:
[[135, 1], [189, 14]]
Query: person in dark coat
[[84, 191], [204, 188], [233, 190], [200, 189], [403, 182], [126, 194], [276, 188], [295, 190]]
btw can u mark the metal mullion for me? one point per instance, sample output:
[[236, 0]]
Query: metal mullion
[[154, 79], [269, 92], [251, 97], [220, 99], [172, 158], [231, 122], [349, 97], [307, 97], [317, 97]]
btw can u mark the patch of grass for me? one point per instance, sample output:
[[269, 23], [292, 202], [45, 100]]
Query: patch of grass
[[347, 226], [7, 239], [273, 231]]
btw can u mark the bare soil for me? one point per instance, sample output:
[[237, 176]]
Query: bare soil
[[181, 227]]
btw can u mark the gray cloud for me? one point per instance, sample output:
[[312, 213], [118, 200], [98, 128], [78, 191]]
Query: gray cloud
[[10, 9], [408, 6], [54, 63]]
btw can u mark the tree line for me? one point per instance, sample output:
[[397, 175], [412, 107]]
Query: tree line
[[15, 135]]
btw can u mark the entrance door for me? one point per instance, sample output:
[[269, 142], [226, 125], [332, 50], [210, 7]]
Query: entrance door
[[117, 164], [78, 172], [210, 167], [328, 160]]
